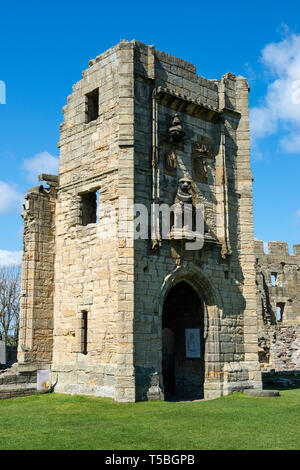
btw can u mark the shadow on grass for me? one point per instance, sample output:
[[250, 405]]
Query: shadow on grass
[[179, 398]]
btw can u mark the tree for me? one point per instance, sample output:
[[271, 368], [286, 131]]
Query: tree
[[9, 303]]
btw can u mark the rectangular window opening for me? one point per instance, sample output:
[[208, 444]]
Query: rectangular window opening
[[90, 208], [92, 105], [279, 311], [274, 279], [84, 332]]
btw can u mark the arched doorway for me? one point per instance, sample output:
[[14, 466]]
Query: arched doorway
[[183, 343]]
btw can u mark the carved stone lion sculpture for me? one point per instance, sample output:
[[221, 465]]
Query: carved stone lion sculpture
[[183, 191]]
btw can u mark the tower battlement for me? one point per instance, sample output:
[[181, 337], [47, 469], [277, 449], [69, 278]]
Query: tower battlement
[[277, 250]]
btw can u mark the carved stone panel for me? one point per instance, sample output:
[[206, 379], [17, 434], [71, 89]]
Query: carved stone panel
[[170, 163], [202, 152], [199, 169], [204, 146]]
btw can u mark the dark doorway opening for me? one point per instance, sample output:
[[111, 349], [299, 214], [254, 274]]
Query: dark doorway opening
[[183, 343]]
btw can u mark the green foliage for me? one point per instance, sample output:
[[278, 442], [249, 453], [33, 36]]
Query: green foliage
[[79, 422]]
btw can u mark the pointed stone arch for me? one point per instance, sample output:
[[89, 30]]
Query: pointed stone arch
[[194, 276]]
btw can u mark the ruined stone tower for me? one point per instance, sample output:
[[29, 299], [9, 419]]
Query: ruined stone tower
[[278, 306], [143, 318]]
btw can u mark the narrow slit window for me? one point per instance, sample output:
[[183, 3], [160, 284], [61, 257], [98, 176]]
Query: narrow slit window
[[92, 105], [84, 332], [274, 279], [97, 205], [279, 311]]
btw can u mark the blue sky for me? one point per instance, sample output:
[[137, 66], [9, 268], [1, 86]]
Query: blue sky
[[45, 46]]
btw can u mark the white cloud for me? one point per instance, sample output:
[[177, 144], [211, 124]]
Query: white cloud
[[291, 143], [10, 258], [42, 162], [281, 104], [10, 199]]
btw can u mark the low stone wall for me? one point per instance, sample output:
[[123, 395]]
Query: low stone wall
[[16, 383], [13, 391]]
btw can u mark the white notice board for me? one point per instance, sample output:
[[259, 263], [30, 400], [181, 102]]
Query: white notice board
[[43, 380], [192, 343]]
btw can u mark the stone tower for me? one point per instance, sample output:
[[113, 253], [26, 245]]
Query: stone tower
[[278, 306], [143, 318]]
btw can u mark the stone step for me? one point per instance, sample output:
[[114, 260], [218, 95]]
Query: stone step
[[261, 393], [10, 379], [13, 390]]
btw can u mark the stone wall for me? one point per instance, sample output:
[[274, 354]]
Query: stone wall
[[92, 274], [278, 306], [37, 283], [223, 271]]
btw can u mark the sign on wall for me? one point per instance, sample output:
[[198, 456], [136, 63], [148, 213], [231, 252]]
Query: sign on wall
[[192, 343], [43, 380]]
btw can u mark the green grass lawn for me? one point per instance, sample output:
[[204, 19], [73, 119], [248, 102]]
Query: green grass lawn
[[79, 422]]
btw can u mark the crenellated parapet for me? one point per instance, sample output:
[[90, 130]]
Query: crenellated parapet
[[277, 252]]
